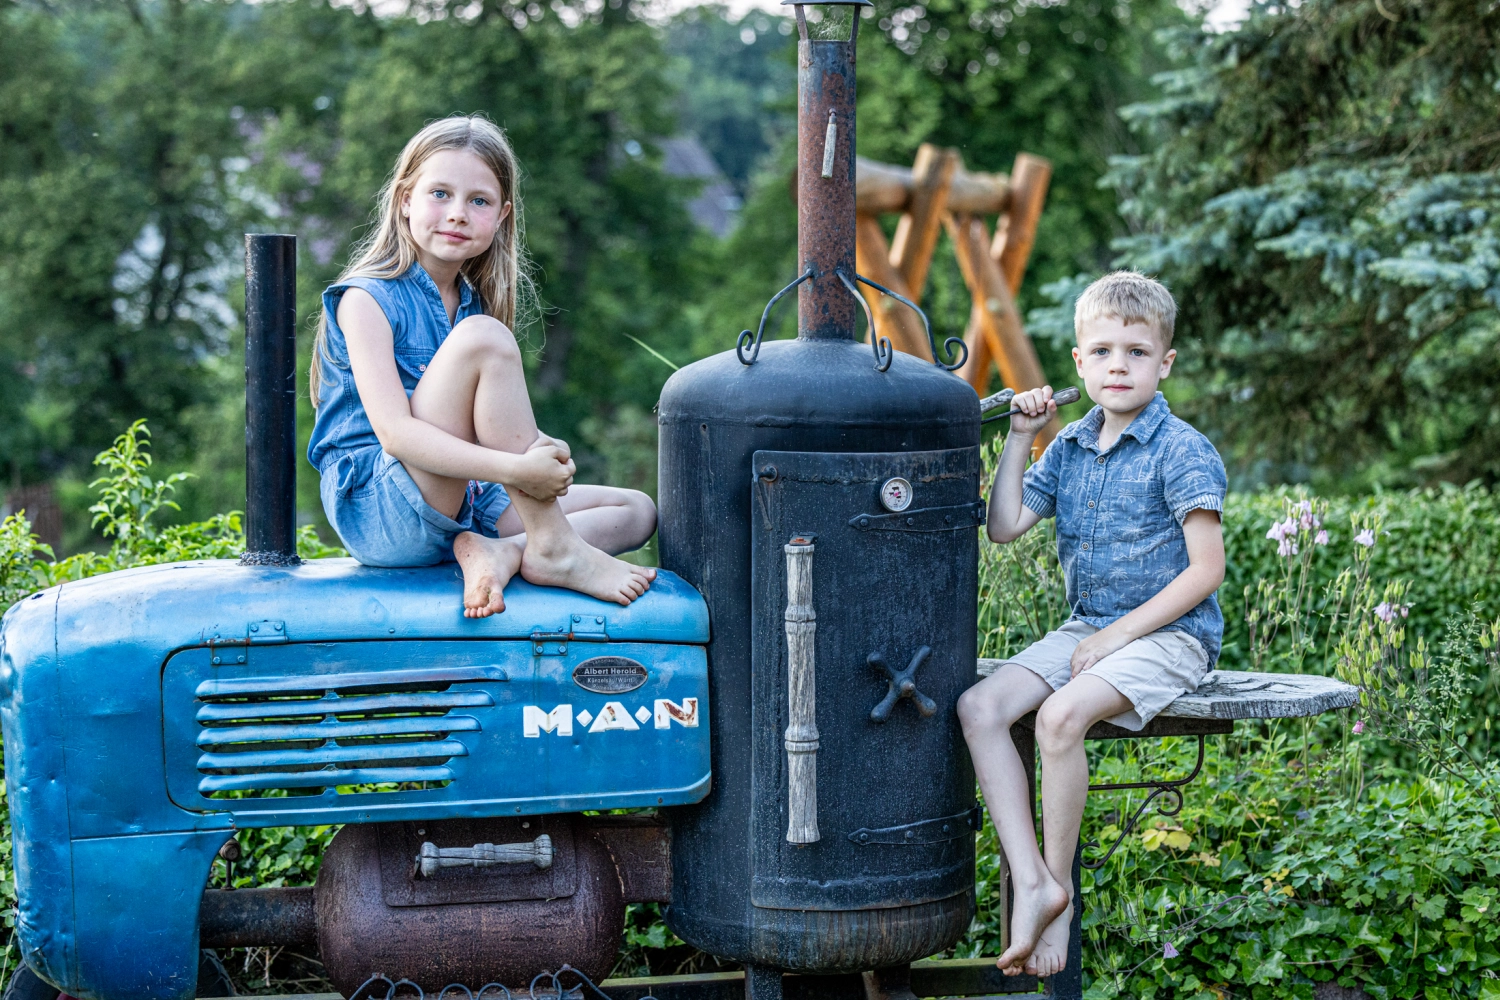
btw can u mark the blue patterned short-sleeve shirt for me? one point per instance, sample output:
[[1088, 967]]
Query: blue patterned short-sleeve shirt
[[1119, 513]]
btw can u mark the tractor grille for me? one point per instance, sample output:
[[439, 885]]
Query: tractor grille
[[375, 731]]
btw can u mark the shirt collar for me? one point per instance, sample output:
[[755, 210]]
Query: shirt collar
[[419, 274], [1086, 431]]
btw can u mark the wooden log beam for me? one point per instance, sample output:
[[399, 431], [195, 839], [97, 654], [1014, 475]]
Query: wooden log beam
[[917, 232], [996, 316], [872, 258], [976, 369], [880, 188], [1015, 231]]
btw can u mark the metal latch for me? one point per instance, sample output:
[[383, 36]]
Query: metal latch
[[580, 628], [954, 518], [927, 831], [261, 633]]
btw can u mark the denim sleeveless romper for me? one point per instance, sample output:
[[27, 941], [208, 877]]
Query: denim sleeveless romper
[[369, 497]]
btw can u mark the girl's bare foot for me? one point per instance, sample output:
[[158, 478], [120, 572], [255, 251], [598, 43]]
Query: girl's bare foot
[[1035, 909], [1051, 952], [488, 565], [568, 561]]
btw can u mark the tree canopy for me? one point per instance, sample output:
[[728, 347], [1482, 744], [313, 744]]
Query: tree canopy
[[1321, 196]]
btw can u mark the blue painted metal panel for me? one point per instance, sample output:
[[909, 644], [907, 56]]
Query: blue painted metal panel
[[109, 864], [643, 756]]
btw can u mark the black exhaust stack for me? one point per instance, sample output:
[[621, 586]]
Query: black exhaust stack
[[270, 400]]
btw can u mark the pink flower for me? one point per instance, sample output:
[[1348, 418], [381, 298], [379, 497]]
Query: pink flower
[[1359, 726], [1286, 548], [1365, 538], [1169, 951], [1277, 532], [1384, 611], [1321, 538], [1404, 610]]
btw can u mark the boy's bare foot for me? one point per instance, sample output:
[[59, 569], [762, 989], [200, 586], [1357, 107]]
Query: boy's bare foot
[[488, 565], [1035, 909], [575, 564], [1051, 952]]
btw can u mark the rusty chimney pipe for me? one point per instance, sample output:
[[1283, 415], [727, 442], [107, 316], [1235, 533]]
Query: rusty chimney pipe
[[825, 179]]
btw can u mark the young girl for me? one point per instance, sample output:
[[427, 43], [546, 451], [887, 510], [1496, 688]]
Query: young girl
[[421, 401]]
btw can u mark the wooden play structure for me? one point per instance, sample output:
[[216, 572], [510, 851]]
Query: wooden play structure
[[937, 192]]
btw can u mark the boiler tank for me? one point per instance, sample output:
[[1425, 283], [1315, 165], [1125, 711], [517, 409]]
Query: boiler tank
[[826, 457]]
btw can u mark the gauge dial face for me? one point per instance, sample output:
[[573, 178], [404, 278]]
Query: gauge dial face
[[895, 494]]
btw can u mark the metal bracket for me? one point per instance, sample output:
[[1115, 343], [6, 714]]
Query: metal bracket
[[903, 685], [955, 518], [927, 831], [1162, 787], [262, 633], [580, 628]]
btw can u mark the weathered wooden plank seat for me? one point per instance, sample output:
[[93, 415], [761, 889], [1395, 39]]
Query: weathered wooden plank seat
[[1227, 695]]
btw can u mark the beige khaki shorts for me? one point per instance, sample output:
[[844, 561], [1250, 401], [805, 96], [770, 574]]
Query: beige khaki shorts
[[1153, 671]]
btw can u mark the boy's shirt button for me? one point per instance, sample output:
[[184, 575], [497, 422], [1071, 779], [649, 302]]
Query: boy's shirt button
[[421, 368], [1091, 503], [1084, 595], [1085, 546], [1101, 459]]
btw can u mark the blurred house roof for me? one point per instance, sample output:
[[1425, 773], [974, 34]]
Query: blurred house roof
[[717, 205]]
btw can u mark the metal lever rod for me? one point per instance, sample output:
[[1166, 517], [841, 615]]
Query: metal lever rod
[[434, 858], [1062, 398], [802, 700]]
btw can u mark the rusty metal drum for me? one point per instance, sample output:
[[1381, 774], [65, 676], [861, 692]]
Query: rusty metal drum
[[467, 901]]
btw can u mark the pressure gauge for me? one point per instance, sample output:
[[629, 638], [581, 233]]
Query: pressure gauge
[[895, 494]]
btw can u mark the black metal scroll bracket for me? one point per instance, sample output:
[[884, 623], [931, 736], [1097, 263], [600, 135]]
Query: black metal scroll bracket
[[1162, 787], [951, 346], [903, 685], [881, 345], [754, 339]]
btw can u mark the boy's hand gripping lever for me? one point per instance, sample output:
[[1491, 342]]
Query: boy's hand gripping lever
[[1062, 398]]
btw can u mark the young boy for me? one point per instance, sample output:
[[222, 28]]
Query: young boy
[[1137, 494]]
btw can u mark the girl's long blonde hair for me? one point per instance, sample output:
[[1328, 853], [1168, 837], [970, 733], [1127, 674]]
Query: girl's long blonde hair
[[388, 251]]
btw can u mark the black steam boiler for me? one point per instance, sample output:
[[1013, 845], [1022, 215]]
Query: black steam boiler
[[823, 495]]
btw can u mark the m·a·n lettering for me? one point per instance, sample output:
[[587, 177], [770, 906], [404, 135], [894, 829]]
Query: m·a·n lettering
[[534, 721]]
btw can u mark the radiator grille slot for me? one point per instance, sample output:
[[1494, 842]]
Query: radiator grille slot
[[374, 731]]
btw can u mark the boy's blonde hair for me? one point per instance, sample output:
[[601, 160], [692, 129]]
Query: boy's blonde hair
[[1129, 297], [498, 274]]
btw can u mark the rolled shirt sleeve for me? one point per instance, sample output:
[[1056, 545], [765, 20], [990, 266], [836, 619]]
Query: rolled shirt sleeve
[[1193, 476], [1039, 484]]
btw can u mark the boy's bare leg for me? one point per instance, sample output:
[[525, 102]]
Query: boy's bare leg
[[987, 711], [475, 388], [1061, 725]]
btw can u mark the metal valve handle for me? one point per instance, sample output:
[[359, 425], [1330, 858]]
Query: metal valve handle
[[433, 858], [1061, 397]]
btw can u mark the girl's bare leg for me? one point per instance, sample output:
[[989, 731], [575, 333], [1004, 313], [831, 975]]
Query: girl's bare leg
[[475, 388], [1061, 725], [987, 711]]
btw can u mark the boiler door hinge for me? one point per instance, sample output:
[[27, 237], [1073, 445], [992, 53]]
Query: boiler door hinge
[[580, 628], [927, 831], [955, 518]]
